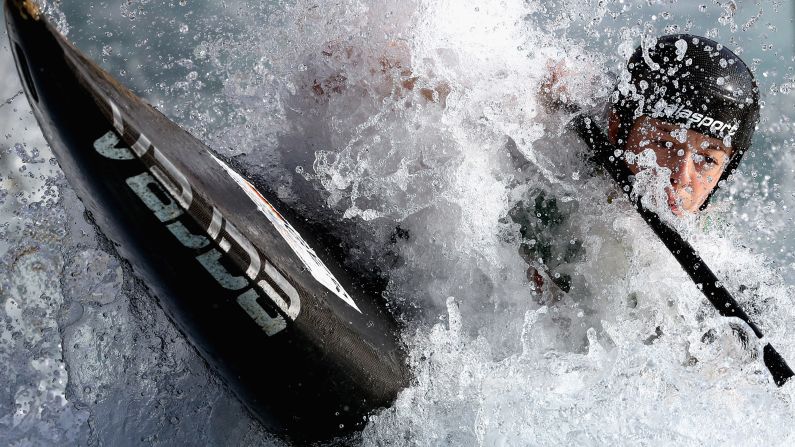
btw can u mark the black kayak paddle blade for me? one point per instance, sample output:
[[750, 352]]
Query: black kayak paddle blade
[[308, 346]]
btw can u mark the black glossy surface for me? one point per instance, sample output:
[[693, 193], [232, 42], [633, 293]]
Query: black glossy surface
[[329, 367]]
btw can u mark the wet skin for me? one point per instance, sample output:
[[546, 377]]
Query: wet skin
[[696, 161]]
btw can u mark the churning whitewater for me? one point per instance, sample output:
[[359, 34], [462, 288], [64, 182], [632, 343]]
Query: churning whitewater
[[415, 132]]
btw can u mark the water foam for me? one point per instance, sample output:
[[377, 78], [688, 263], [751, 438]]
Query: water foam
[[419, 177]]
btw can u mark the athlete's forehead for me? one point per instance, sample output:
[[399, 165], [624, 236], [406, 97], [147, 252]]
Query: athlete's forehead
[[695, 138]]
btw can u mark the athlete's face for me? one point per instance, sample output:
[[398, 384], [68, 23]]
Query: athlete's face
[[696, 161]]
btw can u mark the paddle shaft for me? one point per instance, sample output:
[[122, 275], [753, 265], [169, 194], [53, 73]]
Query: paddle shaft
[[606, 155]]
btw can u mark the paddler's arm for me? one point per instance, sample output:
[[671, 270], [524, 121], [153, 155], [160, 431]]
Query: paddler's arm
[[392, 74]]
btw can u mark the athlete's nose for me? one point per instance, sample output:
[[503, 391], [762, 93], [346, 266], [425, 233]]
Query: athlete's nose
[[683, 168]]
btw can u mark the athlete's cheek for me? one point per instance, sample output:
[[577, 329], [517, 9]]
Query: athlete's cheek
[[699, 192], [709, 177]]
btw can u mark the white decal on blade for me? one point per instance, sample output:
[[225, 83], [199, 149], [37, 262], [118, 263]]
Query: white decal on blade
[[304, 252], [154, 186]]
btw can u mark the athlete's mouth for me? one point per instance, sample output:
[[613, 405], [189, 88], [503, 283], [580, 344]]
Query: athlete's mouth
[[673, 203]]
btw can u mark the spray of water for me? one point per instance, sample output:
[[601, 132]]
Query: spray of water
[[538, 308]]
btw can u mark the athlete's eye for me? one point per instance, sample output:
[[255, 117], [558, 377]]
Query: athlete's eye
[[705, 161]]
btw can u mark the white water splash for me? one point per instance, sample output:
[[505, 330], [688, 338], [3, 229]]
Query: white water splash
[[314, 99]]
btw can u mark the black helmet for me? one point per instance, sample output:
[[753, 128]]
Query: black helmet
[[694, 81]]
